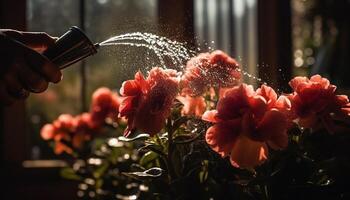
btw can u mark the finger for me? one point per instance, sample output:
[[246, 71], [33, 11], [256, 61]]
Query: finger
[[43, 66], [5, 97], [7, 53], [14, 88], [35, 40], [39, 41], [29, 79]]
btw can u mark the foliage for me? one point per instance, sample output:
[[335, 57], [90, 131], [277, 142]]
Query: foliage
[[303, 152]]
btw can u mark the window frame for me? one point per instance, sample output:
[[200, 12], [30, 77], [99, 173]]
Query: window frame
[[275, 43]]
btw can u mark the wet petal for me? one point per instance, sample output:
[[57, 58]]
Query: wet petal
[[141, 81], [130, 88], [127, 106], [192, 105]]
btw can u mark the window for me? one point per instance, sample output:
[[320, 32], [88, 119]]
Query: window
[[320, 39], [229, 25], [109, 67], [53, 17]]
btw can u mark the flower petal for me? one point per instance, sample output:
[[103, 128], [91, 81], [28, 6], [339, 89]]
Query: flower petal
[[130, 88], [295, 82], [211, 116], [268, 93], [342, 100], [323, 81], [258, 105], [221, 138], [233, 101], [346, 110], [127, 106], [283, 103], [273, 127], [47, 132], [192, 105], [247, 153]]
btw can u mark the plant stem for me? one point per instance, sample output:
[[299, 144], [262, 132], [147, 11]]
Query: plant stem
[[171, 170]]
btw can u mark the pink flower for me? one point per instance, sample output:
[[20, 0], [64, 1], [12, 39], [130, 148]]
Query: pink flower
[[47, 131], [194, 106], [85, 128], [314, 100], [147, 102], [245, 123], [59, 131], [105, 104], [215, 69], [68, 132]]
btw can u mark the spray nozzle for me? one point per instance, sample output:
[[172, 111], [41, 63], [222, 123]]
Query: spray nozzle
[[70, 48]]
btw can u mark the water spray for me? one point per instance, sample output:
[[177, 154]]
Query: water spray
[[74, 46]]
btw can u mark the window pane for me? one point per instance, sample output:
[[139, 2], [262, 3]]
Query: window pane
[[109, 67], [231, 26], [320, 31], [106, 18], [55, 18]]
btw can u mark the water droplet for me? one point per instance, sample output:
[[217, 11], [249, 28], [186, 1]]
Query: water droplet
[[164, 48]]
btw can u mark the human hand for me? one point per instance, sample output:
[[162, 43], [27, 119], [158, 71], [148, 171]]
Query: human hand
[[22, 68]]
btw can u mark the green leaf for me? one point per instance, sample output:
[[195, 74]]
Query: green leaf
[[98, 142], [148, 158], [151, 173], [153, 147], [69, 173], [142, 136], [99, 183], [203, 174], [101, 170], [184, 139], [178, 122]]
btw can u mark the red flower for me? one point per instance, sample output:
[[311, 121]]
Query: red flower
[[245, 122], [215, 69], [65, 122], [314, 100], [59, 131], [68, 132], [85, 128], [47, 132], [147, 102], [192, 105], [105, 104]]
